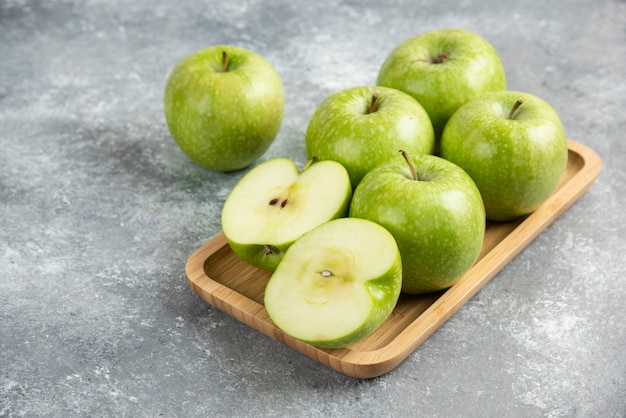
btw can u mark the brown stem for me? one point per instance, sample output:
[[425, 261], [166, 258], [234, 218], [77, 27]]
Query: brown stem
[[410, 163], [516, 106], [308, 163], [439, 59], [224, 61], [373, 104]]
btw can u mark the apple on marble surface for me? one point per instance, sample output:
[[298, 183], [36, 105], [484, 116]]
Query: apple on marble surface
[[336, 284], [275, 203], [433, 210], [224, 106], [513, 146], [361, 127], [443, 69]]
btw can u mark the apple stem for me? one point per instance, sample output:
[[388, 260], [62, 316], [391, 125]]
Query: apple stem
[[516, 106], [410, 163], [373, 107], [439, 59], [308, 163], [224, 61]]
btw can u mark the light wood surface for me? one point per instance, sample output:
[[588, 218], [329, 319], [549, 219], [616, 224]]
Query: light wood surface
[[219, 277]]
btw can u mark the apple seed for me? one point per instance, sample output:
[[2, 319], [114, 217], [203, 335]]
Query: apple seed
[[274, 201], [326, 273]]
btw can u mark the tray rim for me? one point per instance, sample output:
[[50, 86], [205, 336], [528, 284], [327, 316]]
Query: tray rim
[[369, 364]]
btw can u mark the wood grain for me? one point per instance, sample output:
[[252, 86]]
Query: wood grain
[[219, 277]]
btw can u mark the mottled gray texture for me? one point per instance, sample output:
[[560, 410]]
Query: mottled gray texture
[[100, 211]]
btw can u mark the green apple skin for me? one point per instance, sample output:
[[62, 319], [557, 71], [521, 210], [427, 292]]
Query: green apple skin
[[359, 292], [515, 162], [344, 129], [438, 220], [275, 203], [224, 120], [470, 68]]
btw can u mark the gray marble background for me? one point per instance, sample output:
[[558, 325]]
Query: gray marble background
[[99, 211]]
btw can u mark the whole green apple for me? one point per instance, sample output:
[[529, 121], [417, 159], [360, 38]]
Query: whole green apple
[[275, 203], [336, 284], [224, 106], [513, 145], [433, 210], [443, 69], [361, 127]]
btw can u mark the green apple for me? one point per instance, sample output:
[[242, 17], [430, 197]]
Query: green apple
[[361, 127], [224, 106], [434, 211], [513, 145], [274, 204], [443, 69], [336, 284]]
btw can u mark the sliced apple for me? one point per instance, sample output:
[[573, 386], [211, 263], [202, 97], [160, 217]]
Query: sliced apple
[[336, 284], [275, 203]]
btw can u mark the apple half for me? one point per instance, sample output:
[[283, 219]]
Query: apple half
[[336, 284], [275, 203]]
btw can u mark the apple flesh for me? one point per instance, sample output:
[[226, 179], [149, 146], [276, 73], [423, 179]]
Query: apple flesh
[[336, 284], [275, 203], [514, 147], [443, 69], [433, 210], [224, 106], [361, 127]]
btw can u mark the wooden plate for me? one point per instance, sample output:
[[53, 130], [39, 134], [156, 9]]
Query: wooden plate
[[219, 277]]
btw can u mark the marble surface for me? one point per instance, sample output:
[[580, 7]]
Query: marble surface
[[99, 211]]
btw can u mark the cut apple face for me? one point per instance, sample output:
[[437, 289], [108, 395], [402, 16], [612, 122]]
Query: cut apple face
[[275, 203], [336, 284]]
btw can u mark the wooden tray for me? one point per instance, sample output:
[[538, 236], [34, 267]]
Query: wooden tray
[[219, 277]]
